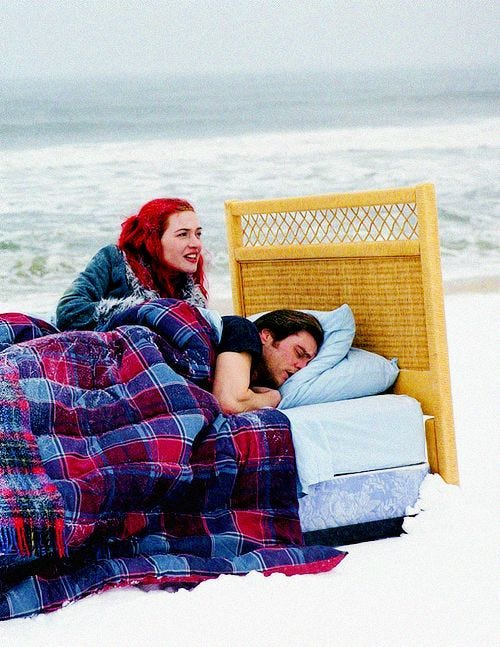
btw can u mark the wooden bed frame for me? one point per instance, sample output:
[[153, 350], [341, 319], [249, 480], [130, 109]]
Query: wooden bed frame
[[377, 251]]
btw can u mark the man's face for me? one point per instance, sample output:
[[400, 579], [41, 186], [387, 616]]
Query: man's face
[[283, 358]]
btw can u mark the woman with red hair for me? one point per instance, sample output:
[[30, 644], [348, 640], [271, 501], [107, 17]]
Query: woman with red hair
[[159, 254]]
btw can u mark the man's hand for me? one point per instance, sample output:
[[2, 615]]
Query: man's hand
[[273, 394]]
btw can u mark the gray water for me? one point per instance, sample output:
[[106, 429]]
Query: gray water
[[81, 155]]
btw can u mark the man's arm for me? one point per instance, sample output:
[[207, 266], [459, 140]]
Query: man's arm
[[232, 385]]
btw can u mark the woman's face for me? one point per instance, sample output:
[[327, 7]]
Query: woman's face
[[181, 242]]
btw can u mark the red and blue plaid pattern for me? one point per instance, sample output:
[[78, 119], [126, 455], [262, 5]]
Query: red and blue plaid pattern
[[31, 508], [16, 328], [157, 485]]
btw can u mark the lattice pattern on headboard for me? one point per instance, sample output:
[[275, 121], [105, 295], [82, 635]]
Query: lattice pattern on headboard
[[339, 225]]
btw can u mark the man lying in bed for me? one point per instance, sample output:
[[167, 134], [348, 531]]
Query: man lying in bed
[[255, 358]]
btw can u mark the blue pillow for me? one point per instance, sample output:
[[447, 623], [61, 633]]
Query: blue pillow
[[339, 328], [359, 374], [214, 319]]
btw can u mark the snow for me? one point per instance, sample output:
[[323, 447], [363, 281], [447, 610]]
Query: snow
[[436, 585]]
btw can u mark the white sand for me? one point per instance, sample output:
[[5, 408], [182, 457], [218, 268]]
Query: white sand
[[437, 585]]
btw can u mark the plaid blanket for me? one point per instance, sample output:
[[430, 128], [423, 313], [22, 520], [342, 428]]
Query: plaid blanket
[[136, 475], [16, 327]]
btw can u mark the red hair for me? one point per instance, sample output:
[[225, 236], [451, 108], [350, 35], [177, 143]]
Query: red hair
[[140, 240]]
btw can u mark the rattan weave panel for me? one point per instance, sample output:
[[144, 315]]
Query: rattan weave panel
[[339, 225], [385, 295]]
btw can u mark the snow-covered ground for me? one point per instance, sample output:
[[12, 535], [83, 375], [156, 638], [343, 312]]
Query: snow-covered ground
[[436, 585]]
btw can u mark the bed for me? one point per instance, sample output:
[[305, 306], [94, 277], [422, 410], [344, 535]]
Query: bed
[[376, 252], [117, 466]]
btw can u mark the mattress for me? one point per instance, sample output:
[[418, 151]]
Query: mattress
[[353, 499]]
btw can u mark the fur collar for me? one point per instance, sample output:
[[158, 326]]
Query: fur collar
[[106, 308]]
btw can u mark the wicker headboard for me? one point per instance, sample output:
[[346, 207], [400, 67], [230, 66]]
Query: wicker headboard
[[377, 251]]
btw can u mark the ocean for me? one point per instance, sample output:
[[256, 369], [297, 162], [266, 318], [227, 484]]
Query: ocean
[[80, 155]]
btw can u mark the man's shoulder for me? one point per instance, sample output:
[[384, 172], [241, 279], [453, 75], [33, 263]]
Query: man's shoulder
[[234, 320], [239, 335]]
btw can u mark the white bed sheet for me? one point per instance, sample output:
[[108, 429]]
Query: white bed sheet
[[348, 436]]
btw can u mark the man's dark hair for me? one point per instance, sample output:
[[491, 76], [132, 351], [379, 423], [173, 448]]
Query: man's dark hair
[[283, 323]]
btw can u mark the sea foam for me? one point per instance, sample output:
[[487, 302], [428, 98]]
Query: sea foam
[[61, 203]]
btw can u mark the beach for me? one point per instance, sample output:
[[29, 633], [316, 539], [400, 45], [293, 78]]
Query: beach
[[74, 170], [435, 585]]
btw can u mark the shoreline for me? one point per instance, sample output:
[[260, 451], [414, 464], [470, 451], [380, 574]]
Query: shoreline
[[473, 284], [451, 287], [224, 304]]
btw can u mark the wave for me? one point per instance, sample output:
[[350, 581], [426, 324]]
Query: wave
[[473, 134], [61, 203]]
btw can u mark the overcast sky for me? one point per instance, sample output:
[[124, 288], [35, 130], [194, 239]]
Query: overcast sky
[[74, 38]]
